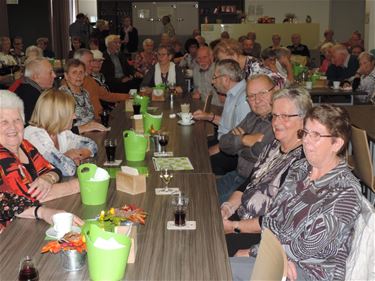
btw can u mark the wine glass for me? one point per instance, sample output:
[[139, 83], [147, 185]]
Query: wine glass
[[172, 88], [163, 141], [166, 176], [28, 270]]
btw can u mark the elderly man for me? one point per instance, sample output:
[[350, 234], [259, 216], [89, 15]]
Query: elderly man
[[227, 79], [38, 76], [249, 138], [276, 41], [297, 48], [343, 65], [17, 51], [365, 78], [120, 76], [96, 91], [257, 48], [248, 47], [202, 76]]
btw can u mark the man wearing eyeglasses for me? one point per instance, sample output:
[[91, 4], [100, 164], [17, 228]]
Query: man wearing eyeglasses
[[227, 79], [248, 139]]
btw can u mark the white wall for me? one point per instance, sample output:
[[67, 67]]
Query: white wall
[[317, 9], [88, 7]]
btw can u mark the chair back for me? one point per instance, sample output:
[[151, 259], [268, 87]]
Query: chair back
[[363, 168], [207, 103], [271, 263]]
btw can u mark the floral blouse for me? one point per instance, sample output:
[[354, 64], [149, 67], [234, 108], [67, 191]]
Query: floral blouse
[[144, 61], [11, 205]]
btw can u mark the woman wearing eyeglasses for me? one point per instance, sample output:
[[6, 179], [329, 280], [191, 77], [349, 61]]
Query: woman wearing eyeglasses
[[314, 213], [164, 72], [243, 212]]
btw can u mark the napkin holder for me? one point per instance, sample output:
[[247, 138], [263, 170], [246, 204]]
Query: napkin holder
[[137, 122], [320, 83], [129, 105], [133, 236], [130, 184], [158, 94]]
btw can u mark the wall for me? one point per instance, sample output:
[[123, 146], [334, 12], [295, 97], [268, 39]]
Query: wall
[[88, 7], [28, 20], [317, 9]]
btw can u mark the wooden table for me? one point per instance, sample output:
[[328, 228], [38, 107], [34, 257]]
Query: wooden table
[[329, 95], [162, 254]]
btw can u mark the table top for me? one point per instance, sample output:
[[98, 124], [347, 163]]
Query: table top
[[162, 254], [363, 117], [334, 92]]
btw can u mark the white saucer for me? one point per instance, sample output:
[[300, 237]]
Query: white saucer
[[51, 232], [186, 124], [170, 191]]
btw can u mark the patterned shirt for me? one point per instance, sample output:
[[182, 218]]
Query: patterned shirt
[[143, 61], [203, 83], [67, 140], [268, 174], [84, 109], [367, 85], [314, 220]]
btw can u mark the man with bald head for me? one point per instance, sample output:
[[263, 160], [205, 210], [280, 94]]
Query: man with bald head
[[202, 76], [38, 76]]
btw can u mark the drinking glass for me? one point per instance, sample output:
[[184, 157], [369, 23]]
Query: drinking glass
[[172, 88], [163, 141], [166, 176], [110, 149], [28, 271], [180, 202], [104, 116]]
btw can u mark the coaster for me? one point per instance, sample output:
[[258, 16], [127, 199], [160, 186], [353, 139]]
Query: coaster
[[112, 164], [163, 154], [189, 225], [171, 190]]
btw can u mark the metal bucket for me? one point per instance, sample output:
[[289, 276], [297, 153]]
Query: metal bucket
[[73, 260]]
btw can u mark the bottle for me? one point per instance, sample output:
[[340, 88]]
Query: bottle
[[28, 271]]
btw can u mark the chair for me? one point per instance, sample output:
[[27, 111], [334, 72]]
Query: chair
[[207, 103], [271, 262], [363, 168]]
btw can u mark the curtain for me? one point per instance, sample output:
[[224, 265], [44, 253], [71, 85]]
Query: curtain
[[60, 20]]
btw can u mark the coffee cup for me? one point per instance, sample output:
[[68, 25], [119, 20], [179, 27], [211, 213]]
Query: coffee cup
[[186, 118], [185, 108], [308, 85], [133, 92], [336, 85], [62, 223]]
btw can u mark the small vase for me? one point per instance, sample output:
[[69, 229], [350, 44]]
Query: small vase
[[73, 260]]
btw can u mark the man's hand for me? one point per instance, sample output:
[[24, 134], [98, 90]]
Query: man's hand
[[196, 95], [250, 140], [201, 115], [238, 131]]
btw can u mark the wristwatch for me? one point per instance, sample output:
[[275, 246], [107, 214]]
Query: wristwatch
[[236, 229]]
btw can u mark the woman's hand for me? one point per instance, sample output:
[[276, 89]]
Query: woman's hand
[[292, 271], [92, 126], [47, 213], [75, 155], [228, 226], [179, 90], [39, 188]]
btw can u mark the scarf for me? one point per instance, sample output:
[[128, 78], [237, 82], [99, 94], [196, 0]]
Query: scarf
[[171, 74]]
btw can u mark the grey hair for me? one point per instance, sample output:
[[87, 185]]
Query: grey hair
[[35, 49], [299, 96], [231, 68], [10, 100], [367, 56], [339, 48], [80, 53], [261, 76], [33, 66], [147, 41], [282, 51]]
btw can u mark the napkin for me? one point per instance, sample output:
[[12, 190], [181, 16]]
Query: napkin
[[110, 244]]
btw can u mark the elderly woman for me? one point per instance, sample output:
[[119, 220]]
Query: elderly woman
[[23, 170], [313, 214], [365, 78], [72, 84], [7, 62], [279, 63], [165, 72], [146, 59], [50, 132], [231, 49], [243, 212], [325, 50]]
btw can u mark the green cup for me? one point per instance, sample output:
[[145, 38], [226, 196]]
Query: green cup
[[92, 192], [135, 146], [150, 120], [106, 264], [143, 101]]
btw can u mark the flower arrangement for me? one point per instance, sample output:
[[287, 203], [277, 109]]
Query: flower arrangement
[[70, 241], [125, 213]]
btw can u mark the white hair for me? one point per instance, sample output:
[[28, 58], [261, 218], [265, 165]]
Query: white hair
[[111, 38], [10, 100], [32, 67]]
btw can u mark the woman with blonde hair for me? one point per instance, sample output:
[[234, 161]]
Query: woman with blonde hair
[[50, 133]]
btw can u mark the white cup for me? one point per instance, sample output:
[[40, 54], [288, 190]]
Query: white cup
[[308, 85], [336, 85], [132, 92], [62, 223], [186, 118], [185, 108]]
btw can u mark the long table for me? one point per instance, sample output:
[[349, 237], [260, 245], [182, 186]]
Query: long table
[[329, 95], [162, 254]]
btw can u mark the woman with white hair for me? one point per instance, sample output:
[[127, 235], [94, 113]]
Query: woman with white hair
[[147, 58], [23, 170], [365, 78], [50, 132]]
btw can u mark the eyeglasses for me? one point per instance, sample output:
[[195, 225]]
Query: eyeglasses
[[216, 77], [315, 136], [283, 117], [260, 94]]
